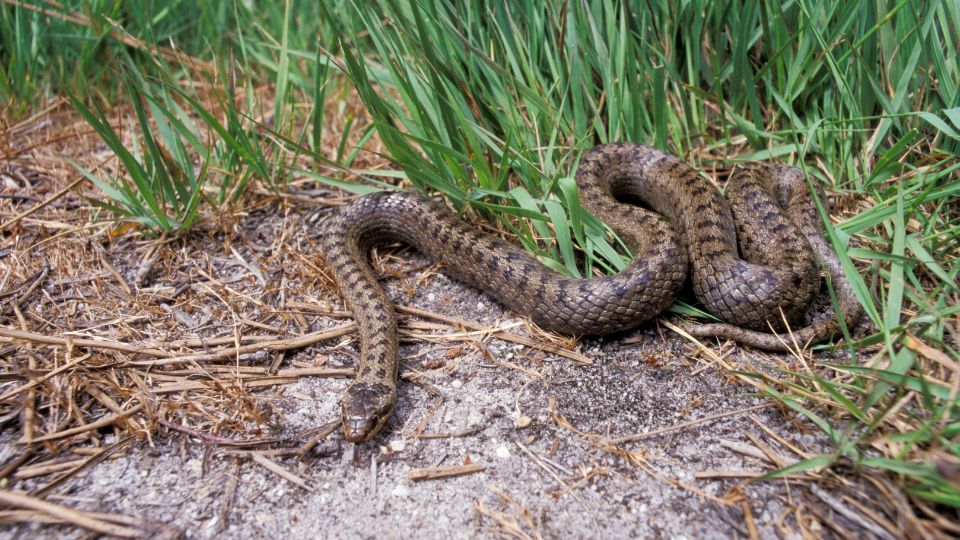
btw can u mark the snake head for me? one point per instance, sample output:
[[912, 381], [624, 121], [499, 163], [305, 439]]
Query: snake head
[[366, 407]]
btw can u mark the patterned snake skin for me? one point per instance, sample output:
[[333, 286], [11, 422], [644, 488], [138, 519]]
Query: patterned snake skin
[[768, 208]]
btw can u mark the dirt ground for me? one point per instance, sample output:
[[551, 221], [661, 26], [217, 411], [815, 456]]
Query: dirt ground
[[543, 429], [546, 479], [209, 430]]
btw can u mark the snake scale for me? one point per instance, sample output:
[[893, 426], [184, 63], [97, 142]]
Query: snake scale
[[684, 227]]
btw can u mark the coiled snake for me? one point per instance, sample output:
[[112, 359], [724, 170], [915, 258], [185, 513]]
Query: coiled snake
[[768, 207]]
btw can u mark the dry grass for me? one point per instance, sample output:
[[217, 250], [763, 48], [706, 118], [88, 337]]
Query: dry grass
[[110, 338]]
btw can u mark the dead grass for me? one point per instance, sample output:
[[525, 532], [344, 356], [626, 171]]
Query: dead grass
[[111, 338]]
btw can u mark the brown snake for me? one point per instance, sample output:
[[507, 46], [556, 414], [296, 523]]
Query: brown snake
[[768, 207]]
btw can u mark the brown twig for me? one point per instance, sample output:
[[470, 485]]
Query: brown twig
[[280, 471], [34, 383], [748, 519], [683, 425], [849, 513], [705, 475], [223, 441], [103, 422], [499, 334], [86, 464], [229, 492], [28, 287], [99, 344], [284, 377], [298, 342], [69, 515], [16, 219], [46, 468], [325, 432], [465, 433], [434, 473], [15, 463]]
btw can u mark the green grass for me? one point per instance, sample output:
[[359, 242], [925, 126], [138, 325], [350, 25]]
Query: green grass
[[491, 103], [160, 189]]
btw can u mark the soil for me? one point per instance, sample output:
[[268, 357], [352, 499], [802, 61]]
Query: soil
[[548, 478], [654, 437]]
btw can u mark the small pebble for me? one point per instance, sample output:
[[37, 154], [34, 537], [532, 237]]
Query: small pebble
[[213, 524], [431, 297], [400, 491], [502, 452], [264, 517], [397, 445], [456, 383], [480, 306], [474, 417]]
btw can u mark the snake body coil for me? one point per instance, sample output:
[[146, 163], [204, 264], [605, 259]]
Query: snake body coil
[[770, 210]]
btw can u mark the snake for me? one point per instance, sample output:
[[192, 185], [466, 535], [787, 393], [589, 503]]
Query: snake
[[752, 257]]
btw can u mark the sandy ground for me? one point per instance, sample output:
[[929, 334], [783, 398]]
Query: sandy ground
[[540, 429], [505, 404]]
